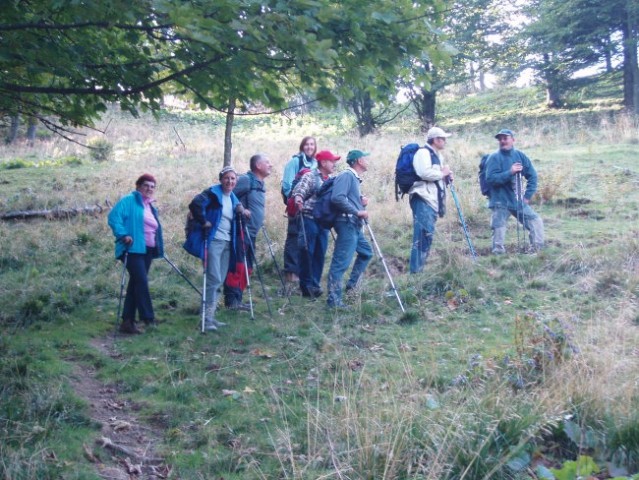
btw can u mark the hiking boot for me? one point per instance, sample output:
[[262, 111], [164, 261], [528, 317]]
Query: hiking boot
[[312, 292], [210, 326], [240, 307], [151, 322], [128, 326]]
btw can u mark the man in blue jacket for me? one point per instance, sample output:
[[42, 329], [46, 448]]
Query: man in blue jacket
[[504, 171]]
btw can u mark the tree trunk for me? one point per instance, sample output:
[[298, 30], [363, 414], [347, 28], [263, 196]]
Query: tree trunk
[[362, 106], [630, 63], [228, 131], [31, 130], [13, 129], [425, 107]]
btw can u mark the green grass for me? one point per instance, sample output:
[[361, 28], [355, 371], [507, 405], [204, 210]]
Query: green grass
[[492, 366]]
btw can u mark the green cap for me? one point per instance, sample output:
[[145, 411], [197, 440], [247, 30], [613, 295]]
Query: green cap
[[355, 155]]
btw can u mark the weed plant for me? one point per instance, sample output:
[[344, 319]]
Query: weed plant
[[500, 366]]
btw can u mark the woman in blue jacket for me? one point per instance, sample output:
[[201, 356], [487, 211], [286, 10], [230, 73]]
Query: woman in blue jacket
[[213, 212], [138, 238]]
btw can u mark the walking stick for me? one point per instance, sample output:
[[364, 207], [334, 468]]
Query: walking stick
[[463, 222], [257, 269], [205, 264], [520, 211], [182, 275], [122, 278], [390, 278], [270, 249], [246, 272]]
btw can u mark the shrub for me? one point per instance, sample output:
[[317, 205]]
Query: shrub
[[101, 150]]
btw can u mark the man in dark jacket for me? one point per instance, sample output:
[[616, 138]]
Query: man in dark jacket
[[252, 194], [347, 200], [504, 171]]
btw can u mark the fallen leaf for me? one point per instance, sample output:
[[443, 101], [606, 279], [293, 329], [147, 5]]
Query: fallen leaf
[[248, 390], [228, 393]]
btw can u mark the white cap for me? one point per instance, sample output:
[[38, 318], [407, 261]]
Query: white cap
[[437, 132]]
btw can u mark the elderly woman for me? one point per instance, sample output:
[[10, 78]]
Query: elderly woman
[[213, 212], [138, 239]]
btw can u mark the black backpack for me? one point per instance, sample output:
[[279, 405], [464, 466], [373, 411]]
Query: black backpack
[[483, 182], [405, 174], [323, 213]]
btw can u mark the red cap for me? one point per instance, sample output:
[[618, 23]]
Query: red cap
[[326, 155]]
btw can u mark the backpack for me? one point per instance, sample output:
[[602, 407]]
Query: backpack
[[291, 209], [405, 174], [483, 182], [323, 213]]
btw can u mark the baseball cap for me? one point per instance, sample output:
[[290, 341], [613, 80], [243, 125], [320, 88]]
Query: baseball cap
[[505, 131], [354, 155], [326, 155], [436, 132]]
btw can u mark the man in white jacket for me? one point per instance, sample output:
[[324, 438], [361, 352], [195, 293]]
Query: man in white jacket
[[427, 197]]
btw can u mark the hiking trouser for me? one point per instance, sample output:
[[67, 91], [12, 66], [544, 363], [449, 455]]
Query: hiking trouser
[[138, 296], [217, 268], [527, 217], [291, 249], [424, 219], [312, 246], [350, 240], [233, 295]]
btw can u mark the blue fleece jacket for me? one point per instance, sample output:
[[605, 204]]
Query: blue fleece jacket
[[501, 180], [127, 218]]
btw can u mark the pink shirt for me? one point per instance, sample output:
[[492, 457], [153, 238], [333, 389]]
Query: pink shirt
[[150, 224]]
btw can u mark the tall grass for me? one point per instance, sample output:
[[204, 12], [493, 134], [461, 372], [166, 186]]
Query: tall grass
[[503, 362]]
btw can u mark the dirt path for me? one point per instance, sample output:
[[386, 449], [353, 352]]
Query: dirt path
[[125, 447]]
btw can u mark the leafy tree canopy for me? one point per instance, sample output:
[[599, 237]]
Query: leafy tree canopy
[[69, 59]]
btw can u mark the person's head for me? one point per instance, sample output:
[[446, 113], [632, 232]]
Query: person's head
[[357, 160], [308, 146], [436, 137], [228, 179], [506, 139], [326, 161], [260, 165], [145, 184]]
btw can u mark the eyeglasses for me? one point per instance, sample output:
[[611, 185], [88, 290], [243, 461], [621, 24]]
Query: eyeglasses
[[150, 186]]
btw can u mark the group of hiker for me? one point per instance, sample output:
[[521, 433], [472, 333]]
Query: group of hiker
[[224, 221]]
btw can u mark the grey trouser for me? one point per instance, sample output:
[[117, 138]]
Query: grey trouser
[[527, 217], [217, 268]]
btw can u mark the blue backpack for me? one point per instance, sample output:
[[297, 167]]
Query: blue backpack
[[323, 213], [405, 174]]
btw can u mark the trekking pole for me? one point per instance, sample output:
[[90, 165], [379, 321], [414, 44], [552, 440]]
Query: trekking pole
[[270, 249], [122, 278], [520, 210], [257, 269], [182, 275], [205, 264], [463, 222], [246, 272], [390, 278]]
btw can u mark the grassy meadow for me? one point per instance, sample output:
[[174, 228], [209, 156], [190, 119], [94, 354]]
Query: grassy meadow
[[513, 367]]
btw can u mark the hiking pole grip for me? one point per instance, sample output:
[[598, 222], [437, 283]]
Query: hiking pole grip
[[390, 278]]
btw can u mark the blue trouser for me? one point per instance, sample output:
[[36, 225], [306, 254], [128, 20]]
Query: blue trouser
[[233, 295], [350, 240], [138, 296], [424, 219], [312, 242]]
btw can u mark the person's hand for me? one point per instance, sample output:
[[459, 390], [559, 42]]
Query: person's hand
[[246, 213], [127, 240], [516, 168], [364, 200], [207, 225], [446, 171], [299, 203], [363, 214]]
